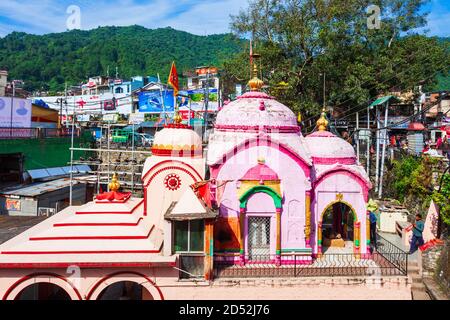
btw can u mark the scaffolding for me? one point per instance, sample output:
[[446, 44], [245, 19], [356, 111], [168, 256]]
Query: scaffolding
[[125, 159]]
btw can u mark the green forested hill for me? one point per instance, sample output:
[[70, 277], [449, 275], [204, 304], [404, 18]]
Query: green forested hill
[[48, 61]]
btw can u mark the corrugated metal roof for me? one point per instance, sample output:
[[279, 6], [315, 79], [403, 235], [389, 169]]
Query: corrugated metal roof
[[35, 189], [57, 172]]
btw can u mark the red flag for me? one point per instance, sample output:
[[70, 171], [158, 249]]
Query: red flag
[[173, 79]]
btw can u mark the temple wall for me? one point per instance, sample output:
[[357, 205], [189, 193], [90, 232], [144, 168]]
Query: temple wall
[[162, 283], [293, 187], [326, 193], [158, 194]]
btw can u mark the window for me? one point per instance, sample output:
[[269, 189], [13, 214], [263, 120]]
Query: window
[[119, 90], [188, 236]]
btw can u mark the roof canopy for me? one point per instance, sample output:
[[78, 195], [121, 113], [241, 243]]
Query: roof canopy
[[382, 100]]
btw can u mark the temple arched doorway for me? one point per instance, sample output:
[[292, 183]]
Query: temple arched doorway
[[43, 291], [337, 229], [125, 290]]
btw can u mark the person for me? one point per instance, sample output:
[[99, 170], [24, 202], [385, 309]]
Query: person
[[432, 152], [372, 207], [445, 147], [373, 229], [417, 237]]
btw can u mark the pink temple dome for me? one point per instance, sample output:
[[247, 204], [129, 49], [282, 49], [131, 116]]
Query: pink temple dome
[[325, 145], [256, 110], [260, 172]]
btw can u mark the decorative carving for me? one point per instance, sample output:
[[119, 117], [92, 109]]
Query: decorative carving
[[339, 197], [172, 182]]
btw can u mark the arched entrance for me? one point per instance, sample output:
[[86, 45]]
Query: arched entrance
[[43, 291], [125, 290], [338, 229], [257, 227]]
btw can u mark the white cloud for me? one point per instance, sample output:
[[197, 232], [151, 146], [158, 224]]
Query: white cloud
[[44, 16]]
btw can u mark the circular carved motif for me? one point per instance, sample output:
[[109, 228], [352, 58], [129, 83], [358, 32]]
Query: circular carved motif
[[172, 182]]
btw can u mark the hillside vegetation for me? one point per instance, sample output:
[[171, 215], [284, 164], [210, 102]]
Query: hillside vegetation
[[48, 61]]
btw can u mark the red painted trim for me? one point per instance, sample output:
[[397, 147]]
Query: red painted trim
[[263, 141], [115, 212], [34, 275], [80, 252], [268, 129], [171, 161], [177, 153], [89, 295], [64, 265], [347, 161], [95, 237], [171, 168], [145, 201], [365, 185], [113, 224]]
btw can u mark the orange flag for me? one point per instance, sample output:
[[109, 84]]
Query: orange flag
[[173, 79]]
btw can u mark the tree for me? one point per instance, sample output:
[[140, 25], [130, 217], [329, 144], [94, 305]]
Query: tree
[[301, 39]]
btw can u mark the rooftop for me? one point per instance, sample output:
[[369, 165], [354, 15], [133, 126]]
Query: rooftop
[[12, 226], [36, 189]]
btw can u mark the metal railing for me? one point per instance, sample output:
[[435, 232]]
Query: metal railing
[[36, 133], [386, 260], [396, 256], [328, 265]]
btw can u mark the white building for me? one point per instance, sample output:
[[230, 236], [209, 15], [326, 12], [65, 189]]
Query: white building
[[3, 80]]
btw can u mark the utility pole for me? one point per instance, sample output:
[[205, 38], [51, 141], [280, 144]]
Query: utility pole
[[378, 136], [71, 153], [12, 105], [385, 140], [357, 136], [205, 120], [368, 141]]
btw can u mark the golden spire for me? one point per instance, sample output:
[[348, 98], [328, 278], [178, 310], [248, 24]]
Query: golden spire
[[255, 84], [114, 185], [177, 118], [322, 123]]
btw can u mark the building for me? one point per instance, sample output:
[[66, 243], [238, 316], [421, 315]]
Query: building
[[271, 198], [41, 198], [3, 81], [203, 77], [96, 86]]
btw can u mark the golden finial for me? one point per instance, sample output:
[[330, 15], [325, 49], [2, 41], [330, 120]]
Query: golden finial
[[322, 123], [177, 119], [114, 185], [261, 160], [255, 84]]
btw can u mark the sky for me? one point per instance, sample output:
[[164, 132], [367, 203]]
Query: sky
[[201, 17]]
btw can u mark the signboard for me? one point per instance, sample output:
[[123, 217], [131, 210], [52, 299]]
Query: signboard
[[393, 122], [137, 118], [83, 118], [113, 118], [12, 205], [152, 101], [21, 113], [206, 70]]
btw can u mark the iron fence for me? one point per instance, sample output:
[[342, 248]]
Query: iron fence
[[389, 251], [385, 260], [37, 133]]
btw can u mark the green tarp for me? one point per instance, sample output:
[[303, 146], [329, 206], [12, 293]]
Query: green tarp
[[382, 100]]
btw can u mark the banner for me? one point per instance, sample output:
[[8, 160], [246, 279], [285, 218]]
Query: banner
[[152, 101], [136, 118], [20, 116]]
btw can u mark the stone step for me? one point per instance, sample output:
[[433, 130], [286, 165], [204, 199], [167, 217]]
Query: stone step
[[418, 287], [420, 295], [416, 278]]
